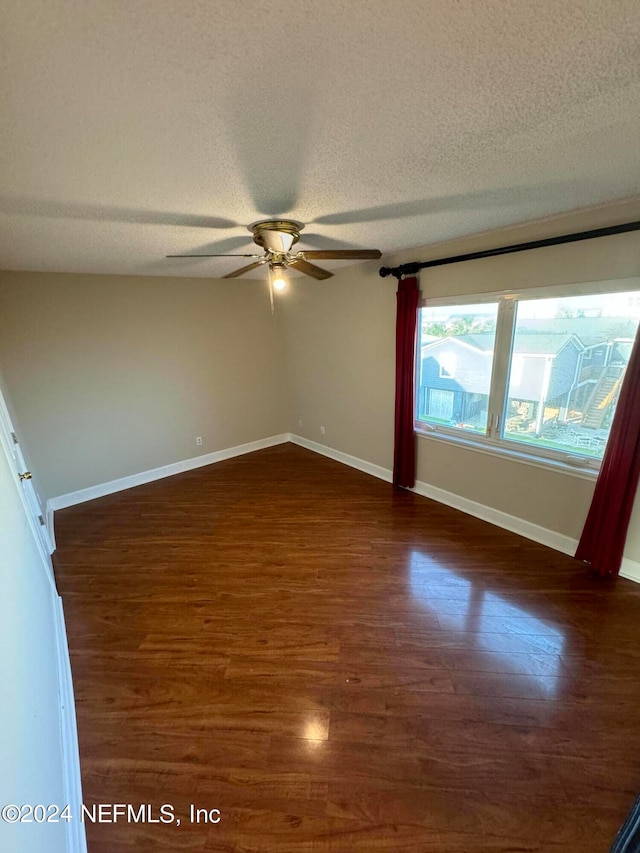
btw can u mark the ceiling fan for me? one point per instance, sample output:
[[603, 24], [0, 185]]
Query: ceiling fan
[[277, 237]]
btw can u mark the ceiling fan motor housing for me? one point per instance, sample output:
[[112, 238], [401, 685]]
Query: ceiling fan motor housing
[[276, 235]]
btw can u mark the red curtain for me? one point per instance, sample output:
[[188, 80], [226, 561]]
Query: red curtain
[[605, 531], [404, 450]]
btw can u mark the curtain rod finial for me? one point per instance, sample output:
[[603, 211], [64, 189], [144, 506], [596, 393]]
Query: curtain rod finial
[[399, 272]]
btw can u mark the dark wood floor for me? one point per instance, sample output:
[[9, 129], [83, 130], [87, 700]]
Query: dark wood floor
[[336, 667]]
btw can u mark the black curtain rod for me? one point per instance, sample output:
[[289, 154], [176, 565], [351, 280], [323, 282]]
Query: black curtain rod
[[416, 266]]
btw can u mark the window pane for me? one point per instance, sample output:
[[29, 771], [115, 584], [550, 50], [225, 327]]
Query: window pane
[[567, 365], [455, 358]]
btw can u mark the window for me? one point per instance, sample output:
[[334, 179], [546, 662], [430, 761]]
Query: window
[[455, 360], [536, 374]]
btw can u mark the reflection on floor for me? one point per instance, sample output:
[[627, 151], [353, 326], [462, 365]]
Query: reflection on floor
[[484, 617]]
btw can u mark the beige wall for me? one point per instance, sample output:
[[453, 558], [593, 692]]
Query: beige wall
[[340, 349], [340, 354], [113, 375]]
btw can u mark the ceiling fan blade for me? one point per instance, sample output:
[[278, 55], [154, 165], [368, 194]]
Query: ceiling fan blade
[[243, 270], [213, 256], [338, 254], [310, 269]]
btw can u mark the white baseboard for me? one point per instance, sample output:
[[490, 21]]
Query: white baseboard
[[630, 570], [76, 838], [552, 539], [543, 535], [102, 489], [345, 458]]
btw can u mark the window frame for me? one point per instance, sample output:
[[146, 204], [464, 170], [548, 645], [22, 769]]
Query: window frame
[[493, 442]]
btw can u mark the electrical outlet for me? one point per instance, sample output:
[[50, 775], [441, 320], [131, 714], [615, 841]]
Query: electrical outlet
[[322, 430], [199, 440], [300, 422]]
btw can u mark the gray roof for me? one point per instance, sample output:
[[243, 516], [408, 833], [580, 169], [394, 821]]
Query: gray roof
[[536, 344], [589, 330], [549, 336], [539, 344]]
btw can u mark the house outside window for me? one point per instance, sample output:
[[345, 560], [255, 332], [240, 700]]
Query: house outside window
[[456, 359], [534, 374]]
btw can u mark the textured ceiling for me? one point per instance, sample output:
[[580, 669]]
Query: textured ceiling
[[130, 130]]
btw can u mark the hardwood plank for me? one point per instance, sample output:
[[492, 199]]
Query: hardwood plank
[[341, 667]]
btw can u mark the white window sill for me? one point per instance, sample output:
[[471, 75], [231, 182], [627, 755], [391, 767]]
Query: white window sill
[[492, 448]]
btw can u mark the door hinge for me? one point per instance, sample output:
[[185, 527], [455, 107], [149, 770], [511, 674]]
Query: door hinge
[[15, 438], [41, 520]]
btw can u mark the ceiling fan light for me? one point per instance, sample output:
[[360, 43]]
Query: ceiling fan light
[[277, 274]]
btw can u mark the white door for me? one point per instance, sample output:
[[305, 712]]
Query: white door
[[13, 451], [441, 404]]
